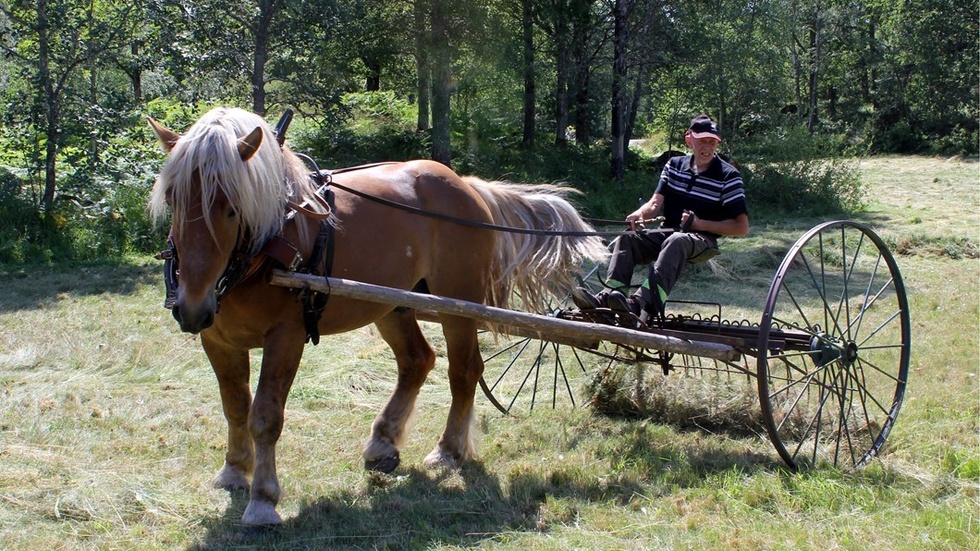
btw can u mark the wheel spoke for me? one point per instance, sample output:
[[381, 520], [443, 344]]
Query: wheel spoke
[[519, 344]]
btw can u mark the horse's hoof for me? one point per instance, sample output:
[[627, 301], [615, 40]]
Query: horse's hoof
[[261, 514], [231, 479], [383, 464], [439, 458]]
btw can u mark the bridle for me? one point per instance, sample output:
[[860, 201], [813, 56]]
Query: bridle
[[244, 258], [243, 261]]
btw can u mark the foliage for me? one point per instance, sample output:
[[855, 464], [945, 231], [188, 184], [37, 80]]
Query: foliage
[[20, 221], [789, 171], [378, 112], [379, 127], [77, 78], [99, 212], [928, 100], [806, 188]]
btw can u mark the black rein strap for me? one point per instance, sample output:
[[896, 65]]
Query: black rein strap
[[463, 221]]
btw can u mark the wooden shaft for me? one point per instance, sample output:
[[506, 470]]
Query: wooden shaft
[[543, 327]]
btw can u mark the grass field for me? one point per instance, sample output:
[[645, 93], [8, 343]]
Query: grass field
[[111, 426]]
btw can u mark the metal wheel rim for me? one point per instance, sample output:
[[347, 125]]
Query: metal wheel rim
[[838, 402]]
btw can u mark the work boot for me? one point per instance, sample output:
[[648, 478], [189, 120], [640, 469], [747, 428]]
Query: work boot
[[651, 305], [586, 300], [622, 303]]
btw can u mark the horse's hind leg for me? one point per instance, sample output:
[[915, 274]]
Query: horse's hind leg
[[231, 367], [465, 369], [415, 359]]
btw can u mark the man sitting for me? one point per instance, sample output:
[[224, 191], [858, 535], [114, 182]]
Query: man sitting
[[701, 195]]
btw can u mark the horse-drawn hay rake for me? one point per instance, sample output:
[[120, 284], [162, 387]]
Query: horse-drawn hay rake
[[829, 356], [831, 349]]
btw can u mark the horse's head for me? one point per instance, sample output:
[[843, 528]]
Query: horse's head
[[225, 188]]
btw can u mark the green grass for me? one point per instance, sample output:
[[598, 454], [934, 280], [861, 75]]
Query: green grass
[[111, 426]]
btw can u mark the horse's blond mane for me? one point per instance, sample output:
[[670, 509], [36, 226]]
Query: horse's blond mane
[[258, 189]]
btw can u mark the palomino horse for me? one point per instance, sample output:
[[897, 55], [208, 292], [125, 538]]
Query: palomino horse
[[232, 191]]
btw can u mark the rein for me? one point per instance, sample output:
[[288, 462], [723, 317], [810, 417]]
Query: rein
[[464, 221]]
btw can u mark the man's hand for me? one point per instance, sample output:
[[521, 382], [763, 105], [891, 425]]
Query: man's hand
[[635, 219], [687, 221]]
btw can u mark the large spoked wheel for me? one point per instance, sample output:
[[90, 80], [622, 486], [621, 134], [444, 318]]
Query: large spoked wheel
[[833, 351]]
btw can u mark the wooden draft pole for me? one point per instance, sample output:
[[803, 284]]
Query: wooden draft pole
[[543, 327]]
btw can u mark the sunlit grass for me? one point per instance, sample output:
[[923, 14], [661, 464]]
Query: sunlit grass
[[111, 427]]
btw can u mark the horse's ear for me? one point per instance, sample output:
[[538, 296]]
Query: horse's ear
[[248, 145], [282, 125], [168, 138]]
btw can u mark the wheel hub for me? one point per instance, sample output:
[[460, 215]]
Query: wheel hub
[[824, 348]]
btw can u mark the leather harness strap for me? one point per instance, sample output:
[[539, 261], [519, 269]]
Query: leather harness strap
[[282, 251], [314, 302]]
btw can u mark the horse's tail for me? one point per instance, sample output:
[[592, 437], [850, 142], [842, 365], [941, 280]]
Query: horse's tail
[[536, 265]]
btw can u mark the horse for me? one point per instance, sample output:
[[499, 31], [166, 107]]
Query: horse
[[237, 197]]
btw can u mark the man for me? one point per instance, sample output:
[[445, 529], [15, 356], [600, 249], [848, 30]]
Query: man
[[702, 196]]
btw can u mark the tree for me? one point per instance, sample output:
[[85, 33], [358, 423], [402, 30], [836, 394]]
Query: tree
[[926, 94], [53, 40], [441, 82], [552, 17], [530, 101], [423, 67], [620, 41]]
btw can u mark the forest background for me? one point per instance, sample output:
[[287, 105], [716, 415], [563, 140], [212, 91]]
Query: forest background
[[525, 90]]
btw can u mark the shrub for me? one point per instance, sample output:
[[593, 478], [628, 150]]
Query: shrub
[[19, 223], [790, 171], [810, 188], [378, 112]]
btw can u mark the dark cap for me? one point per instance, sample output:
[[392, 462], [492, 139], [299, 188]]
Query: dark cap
[[703, 127]]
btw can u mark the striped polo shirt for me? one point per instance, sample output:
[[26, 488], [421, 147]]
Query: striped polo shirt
[[715, 194]]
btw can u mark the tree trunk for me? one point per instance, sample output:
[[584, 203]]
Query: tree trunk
[[620, 43], [267, 10], [813, 120], [527, 25], [868, 76], [641, 73], [135, 74], [561, 86], [422, 66], [441, 75], [52, 104], [51, 153], [373, 81], [580, 36], [93, 90]]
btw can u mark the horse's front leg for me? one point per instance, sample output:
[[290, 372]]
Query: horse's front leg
[[231, 367], [465, 370], [280, 360]]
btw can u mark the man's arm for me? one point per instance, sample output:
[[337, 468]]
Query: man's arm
[[647, 211], [733, 227]]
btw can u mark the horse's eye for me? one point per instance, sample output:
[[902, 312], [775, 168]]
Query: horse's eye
[[232, 213]]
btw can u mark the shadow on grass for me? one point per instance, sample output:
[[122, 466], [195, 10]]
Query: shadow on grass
[[417, 508], [33, 287], [413, 509]]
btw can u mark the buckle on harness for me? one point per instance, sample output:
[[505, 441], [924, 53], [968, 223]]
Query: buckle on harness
[[295, 262]]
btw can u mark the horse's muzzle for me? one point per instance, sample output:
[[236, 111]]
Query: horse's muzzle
[[194, 318]]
